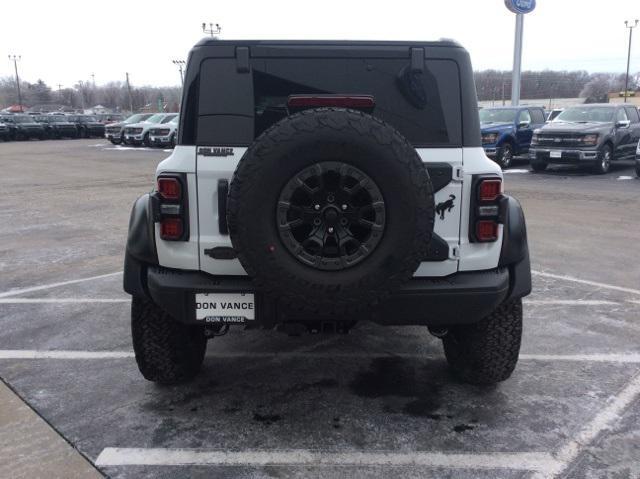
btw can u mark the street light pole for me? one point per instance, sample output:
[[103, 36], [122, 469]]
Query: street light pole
[[517, 61], [15, 59], [628, 25], [180, 64]]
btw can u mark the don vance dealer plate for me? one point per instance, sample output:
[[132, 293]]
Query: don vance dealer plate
[[225, 307]]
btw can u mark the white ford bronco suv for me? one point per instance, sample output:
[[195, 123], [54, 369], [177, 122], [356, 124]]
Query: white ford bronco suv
[[316, 184]]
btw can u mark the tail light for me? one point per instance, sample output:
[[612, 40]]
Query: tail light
[[171, 208], [486, 230], [171, 229], [169, 188], [489, 190], [485, 210]]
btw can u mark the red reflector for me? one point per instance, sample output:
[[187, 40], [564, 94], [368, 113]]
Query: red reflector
[[171, 228], [169, 188], [340, 101], [489, 190], [486, 230]]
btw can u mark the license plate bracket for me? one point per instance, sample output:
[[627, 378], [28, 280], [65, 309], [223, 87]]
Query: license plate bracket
[[225, 308]]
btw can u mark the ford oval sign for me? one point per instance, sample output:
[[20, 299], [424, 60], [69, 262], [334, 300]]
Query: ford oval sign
[[520, 6]]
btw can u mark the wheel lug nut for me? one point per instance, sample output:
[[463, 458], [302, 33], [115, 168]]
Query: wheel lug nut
[[344, 207], [330, 198], [316, 207], [317, 221], [330, 229], [343, 221]]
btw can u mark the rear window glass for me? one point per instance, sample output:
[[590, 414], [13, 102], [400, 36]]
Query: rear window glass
[[425, 107]]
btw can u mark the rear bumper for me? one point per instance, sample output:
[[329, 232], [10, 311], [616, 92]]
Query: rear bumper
[[457, 299], [461, 298]]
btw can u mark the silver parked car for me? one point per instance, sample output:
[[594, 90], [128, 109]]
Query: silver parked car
[[114, 132], [138, 133]]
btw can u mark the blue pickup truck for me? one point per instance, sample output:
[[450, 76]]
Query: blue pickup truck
[[507, 131]]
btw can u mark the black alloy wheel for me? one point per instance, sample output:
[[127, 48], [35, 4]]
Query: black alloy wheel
[[331, 215]]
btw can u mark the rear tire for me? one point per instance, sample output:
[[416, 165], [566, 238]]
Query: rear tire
[[537, 165], [166, 350], [486, 352]]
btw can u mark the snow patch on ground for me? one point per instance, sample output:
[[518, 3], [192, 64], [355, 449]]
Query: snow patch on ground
[[129, 148]]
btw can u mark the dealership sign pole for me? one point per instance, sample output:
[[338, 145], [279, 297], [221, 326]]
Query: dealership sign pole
[[520, 8]]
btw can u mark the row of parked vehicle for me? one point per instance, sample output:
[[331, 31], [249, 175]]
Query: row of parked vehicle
[[148, 129], [24, 127], [593, 135]]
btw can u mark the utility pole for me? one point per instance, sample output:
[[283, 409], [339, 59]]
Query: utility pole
[[628, 25], [81, 83], [15, 59], [180, 64], [129, 90], [93, 79], [213, 30]]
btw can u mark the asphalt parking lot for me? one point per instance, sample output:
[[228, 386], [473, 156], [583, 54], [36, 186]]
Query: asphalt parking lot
[[374, 403]]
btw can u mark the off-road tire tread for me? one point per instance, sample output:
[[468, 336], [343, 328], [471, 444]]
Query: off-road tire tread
[[486, 352], [166, 350], [357, 123]]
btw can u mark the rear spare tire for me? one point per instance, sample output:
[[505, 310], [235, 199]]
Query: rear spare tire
[[330, 210]]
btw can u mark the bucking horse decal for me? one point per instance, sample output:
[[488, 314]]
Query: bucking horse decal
[[445, 206]]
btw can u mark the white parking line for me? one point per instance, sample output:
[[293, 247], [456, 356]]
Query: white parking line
[[33, 354], [629, 358], [569, 302], [62, 300], [531, 461], [584, 281], [13, 292], [603, 421]]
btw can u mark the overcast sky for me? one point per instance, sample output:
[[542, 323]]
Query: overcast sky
[[65, 41]]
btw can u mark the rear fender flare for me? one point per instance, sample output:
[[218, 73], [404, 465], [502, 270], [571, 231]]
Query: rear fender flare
[[141, 246]]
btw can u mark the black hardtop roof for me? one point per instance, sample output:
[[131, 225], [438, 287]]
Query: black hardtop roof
[[329, 43]]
